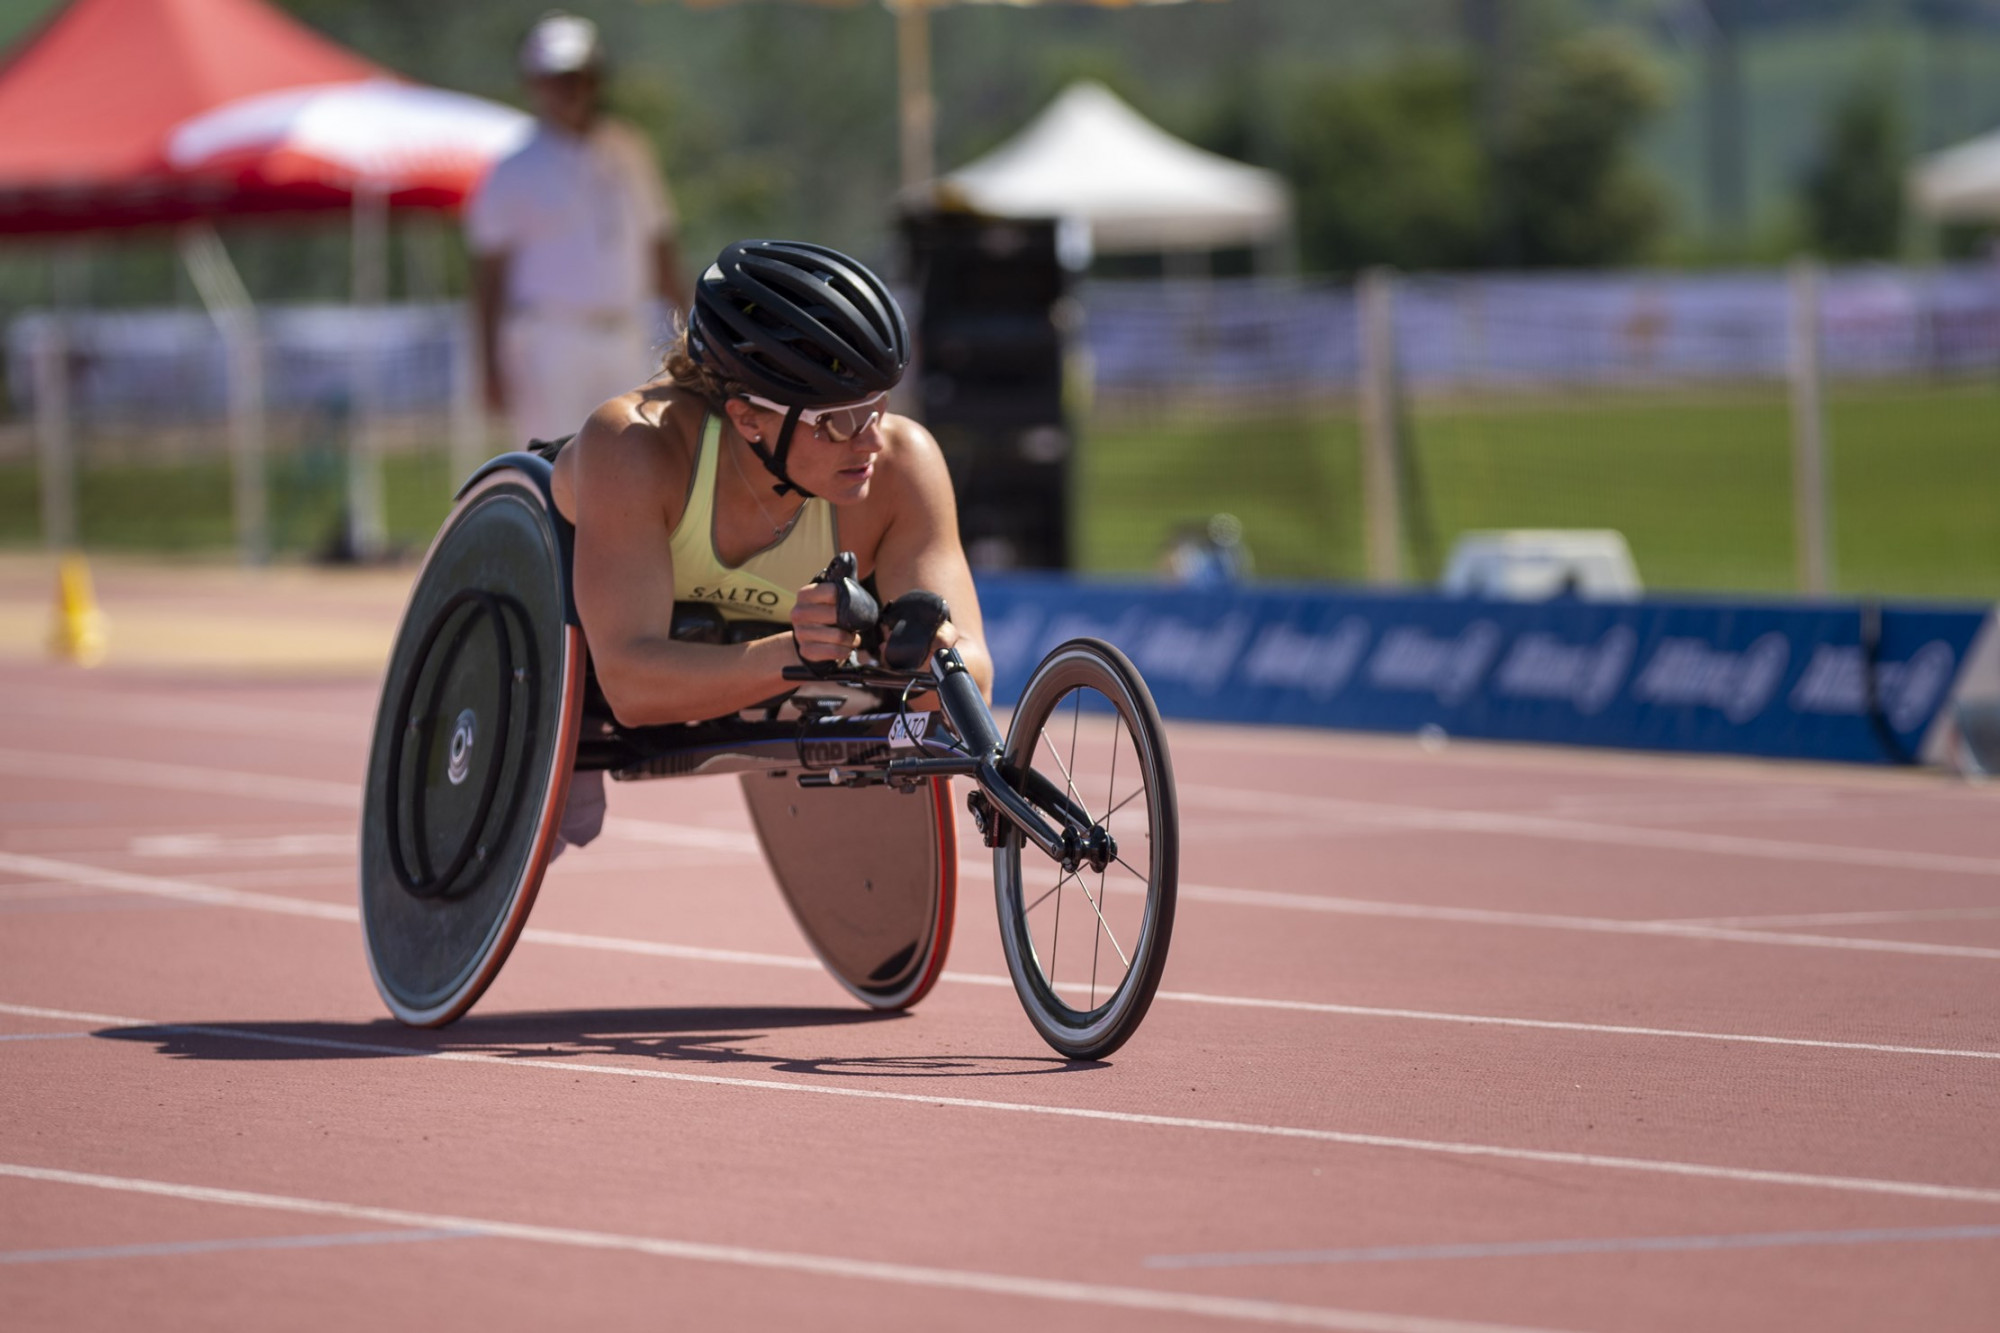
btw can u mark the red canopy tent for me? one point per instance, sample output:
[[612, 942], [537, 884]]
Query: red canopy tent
[[87, 102]]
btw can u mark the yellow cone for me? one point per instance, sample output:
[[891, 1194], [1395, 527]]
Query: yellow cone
[[78, 634]]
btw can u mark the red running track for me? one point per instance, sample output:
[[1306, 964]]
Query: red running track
[[1469, 1038]]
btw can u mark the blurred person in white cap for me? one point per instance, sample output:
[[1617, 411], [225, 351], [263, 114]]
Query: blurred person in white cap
[[573, 238]]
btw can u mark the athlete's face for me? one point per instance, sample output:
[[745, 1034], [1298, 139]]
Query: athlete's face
[[839, 470]]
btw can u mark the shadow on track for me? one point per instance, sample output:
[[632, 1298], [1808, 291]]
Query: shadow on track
[[701, 1035]]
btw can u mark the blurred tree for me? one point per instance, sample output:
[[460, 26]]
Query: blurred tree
[[1575, 193], [1386, 168], [1853, 195]]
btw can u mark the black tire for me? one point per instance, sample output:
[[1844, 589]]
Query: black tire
[[474, 741], [1087, 723]]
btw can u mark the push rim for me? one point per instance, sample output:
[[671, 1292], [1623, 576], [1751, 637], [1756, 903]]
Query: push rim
[[487, 609]]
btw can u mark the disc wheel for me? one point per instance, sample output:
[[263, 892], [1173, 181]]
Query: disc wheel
[[1085, 945], [473, 744]]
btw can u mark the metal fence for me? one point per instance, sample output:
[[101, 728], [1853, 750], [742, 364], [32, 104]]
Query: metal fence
[[1789, 430], [1801, 430], [1186, 346]]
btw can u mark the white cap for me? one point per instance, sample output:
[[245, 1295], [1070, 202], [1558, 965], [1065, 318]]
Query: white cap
[[561, 43]]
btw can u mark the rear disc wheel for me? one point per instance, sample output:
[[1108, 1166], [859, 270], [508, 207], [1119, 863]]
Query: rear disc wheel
[[472, 750]]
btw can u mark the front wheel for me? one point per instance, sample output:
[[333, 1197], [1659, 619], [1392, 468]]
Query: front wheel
[[1086, 945]]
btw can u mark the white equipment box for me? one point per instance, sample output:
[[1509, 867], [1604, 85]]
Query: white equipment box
[[1531, 564]]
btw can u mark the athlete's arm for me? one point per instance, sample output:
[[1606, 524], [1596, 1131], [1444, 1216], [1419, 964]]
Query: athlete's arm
[[920, 547], [622, 477]]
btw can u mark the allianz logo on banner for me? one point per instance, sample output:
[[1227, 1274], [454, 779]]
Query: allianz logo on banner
[[1587, 675], [1413, 659], [1693, 672], [1317, 664], [1836, 681], [1168, 649], [1495, 669]]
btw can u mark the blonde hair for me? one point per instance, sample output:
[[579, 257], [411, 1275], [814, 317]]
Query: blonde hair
[[687, 373]]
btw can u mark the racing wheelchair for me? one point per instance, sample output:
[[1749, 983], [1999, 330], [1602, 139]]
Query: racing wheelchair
[[489, 706]]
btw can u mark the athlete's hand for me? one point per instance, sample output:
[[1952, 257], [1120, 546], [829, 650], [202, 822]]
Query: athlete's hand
[[815, 628]]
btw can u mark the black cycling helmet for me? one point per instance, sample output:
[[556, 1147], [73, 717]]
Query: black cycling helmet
[[799, 324]]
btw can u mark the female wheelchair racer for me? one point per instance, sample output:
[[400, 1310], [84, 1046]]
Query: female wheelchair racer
[[764, 451]]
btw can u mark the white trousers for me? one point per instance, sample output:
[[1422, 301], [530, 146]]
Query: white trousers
[[560, 366]]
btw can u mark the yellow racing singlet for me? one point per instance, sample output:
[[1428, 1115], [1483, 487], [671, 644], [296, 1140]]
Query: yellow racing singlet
[[763, 587]]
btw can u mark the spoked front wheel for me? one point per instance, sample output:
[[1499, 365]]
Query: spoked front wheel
[[1086, 942]]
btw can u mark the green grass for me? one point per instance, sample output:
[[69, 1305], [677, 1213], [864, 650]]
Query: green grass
[[1292, 483], [185, 506], [1699, 485]]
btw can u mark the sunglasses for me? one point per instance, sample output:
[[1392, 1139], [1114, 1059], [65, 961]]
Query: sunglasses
[[839, 423]]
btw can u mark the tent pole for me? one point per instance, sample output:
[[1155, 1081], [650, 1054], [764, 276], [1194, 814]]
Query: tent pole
[[1812, 529], [367, 527], [916, 107], [1381, 463], [55, 423], [468, 441], [55, 446], [228, 302]]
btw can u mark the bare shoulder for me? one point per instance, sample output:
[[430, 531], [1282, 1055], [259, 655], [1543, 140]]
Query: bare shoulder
[[639, 446], [915, 465]]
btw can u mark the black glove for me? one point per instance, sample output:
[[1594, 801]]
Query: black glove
[[909, 627], [854, 610]]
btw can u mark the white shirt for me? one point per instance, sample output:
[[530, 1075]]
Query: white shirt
[[577, 217]]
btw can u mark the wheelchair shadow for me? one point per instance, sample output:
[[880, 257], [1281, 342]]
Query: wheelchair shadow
[[705, 1036]]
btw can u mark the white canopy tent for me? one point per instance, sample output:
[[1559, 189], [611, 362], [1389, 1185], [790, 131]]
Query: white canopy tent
[[374, 140], [1961, 183], [1091, 160]]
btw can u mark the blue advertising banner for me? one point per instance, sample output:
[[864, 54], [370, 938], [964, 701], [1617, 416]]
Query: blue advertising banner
[[1806, 681]]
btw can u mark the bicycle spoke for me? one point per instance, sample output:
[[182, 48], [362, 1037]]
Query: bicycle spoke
[[1111, 784], [1068, 781], [1039, 901], [1055, 936], [1095, 946], [1102, 922], [1135, 873], [1075, 723], [1137, 792]]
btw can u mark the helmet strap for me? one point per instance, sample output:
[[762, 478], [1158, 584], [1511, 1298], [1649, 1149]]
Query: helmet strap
[[774, 459]]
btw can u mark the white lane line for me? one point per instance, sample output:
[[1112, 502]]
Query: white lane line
[[177, 1248], [1849, 918], [688, 952], [1555, 1025], [817, 1265], [1431, 819], [172, 712], [259, 846], [34, 889], [66, 1015], [1482, 916], [178, 777], [1485, 916], [214, 896], [182, 777], [660, 833], [182, 890], [41, 1036], [1346, 1138], [1520, 1249]]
